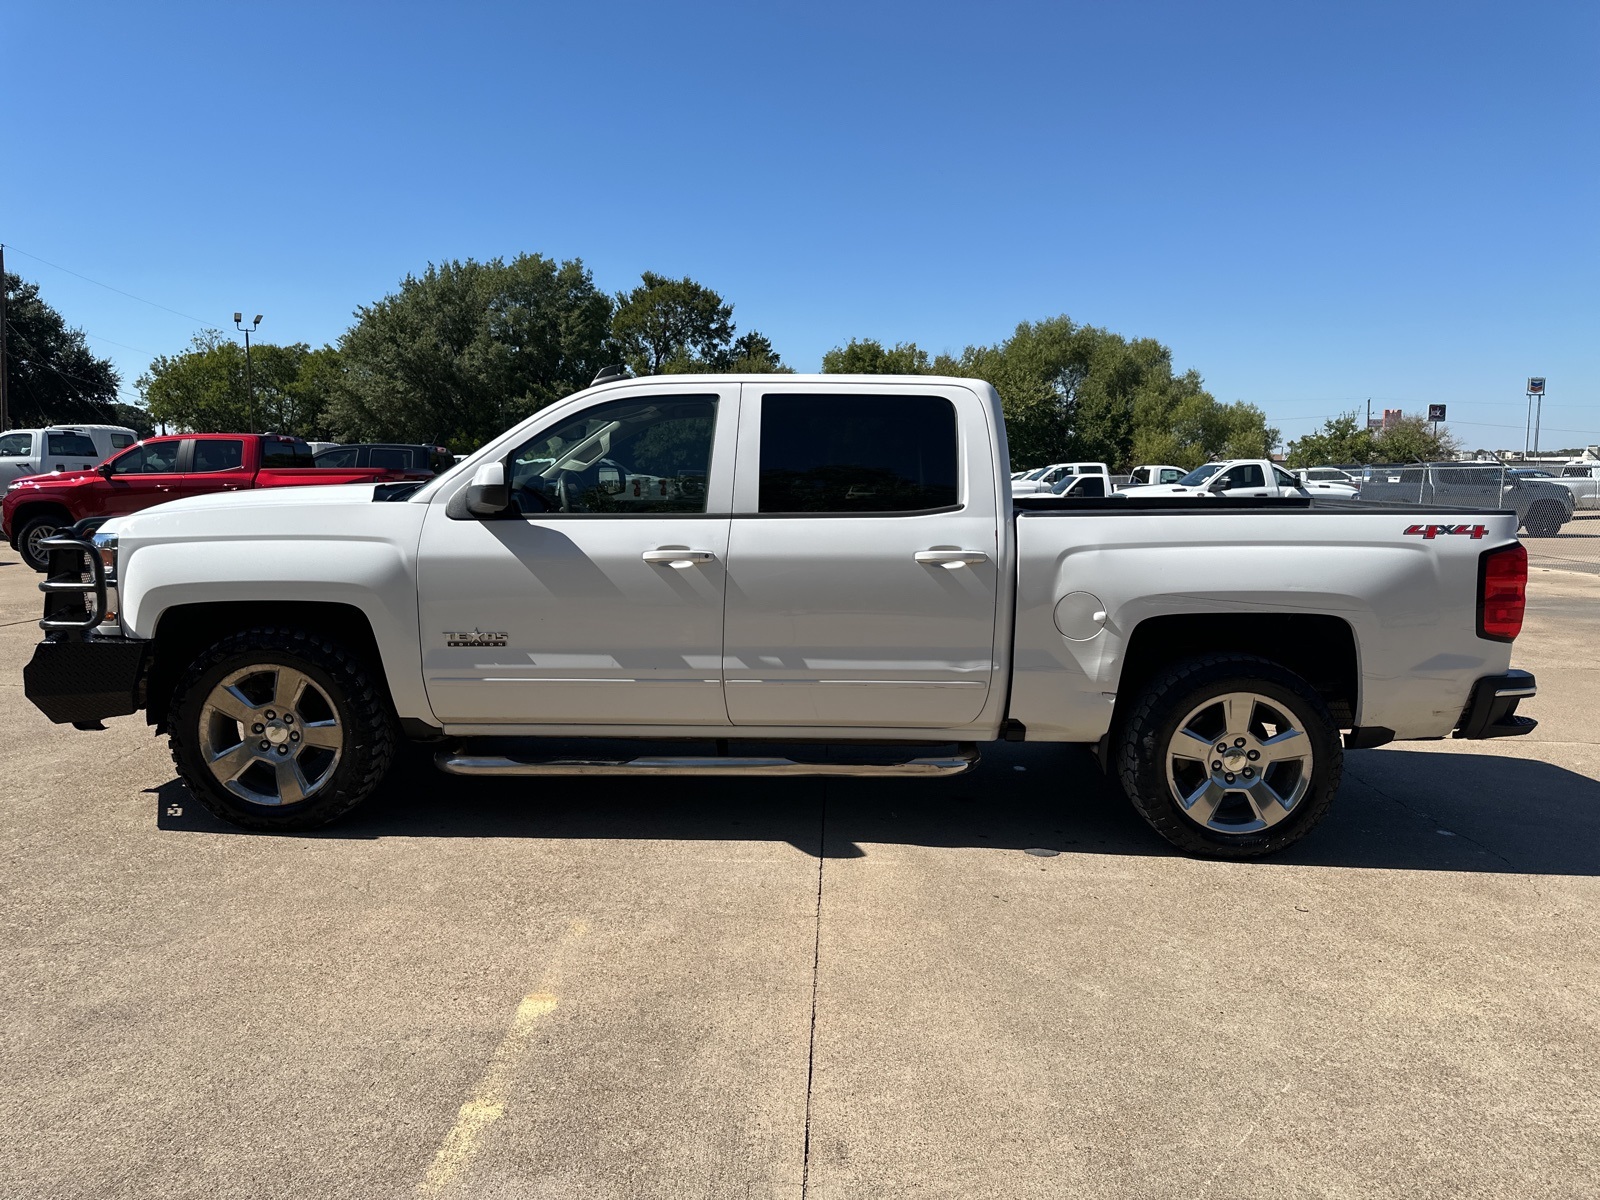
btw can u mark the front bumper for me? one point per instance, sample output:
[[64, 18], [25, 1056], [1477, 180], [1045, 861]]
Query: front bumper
[[1491, 710], [81, 681]]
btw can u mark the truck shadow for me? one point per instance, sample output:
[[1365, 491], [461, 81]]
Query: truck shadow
[[1397, 809]]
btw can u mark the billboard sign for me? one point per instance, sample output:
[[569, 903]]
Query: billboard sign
[[1435, 412], [1536, 385]]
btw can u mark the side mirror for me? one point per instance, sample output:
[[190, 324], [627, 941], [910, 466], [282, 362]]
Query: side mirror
[[1217, 485], [487, 494], [104, 469]]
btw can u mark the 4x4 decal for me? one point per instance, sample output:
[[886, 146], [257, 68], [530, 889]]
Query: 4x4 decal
[[1429, 532]]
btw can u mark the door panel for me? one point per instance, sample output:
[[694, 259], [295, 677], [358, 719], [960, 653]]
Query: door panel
[[593, 634], [832, 620], [601, 604]]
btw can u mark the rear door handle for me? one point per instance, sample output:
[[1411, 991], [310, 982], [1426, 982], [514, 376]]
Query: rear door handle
[[950, 560], [679, 558]]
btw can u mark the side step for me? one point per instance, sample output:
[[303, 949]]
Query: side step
[[458, 762]]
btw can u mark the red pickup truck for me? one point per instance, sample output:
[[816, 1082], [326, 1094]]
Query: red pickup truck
[[166, 468]]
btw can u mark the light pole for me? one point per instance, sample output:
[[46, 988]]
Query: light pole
[[249, 384]]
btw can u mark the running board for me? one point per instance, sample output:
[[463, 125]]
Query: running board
[[460, 763]]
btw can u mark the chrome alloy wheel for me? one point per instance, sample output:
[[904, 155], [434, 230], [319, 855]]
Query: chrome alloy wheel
[[270, 735], [36, 540], [1239, 763]]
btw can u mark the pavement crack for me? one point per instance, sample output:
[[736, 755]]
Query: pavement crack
[[816, 956]]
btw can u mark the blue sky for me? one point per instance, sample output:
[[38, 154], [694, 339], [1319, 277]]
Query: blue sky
[[1310, 204]]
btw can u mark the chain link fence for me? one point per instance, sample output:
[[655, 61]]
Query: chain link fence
[[1558, 509]]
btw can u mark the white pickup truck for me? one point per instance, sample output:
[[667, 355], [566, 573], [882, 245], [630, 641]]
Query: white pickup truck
[[1254, 478], [1582, 479], [815, 561]]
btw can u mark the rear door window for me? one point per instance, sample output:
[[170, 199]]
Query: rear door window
[[858, 454], [391, 458], [70, 445], [1246, 475], [225, 454]]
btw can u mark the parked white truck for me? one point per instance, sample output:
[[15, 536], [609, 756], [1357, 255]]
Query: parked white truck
[[1251, 478], [1582, 479], [815, 561]]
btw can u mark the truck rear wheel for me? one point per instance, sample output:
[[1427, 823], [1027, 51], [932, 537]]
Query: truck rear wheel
[[1545, 519], [1230, 756], [280, 730]]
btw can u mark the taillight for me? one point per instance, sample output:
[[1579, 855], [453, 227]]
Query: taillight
[[1502, 592]]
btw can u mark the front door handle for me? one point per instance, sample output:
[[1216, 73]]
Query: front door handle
[[679, 558], [951, 559]]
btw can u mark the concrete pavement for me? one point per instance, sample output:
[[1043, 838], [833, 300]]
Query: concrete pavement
[[600, 988]]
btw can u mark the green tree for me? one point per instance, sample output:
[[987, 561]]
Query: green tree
[[671, 325], [1079, 392], [1342, 439], [865, 356], [467, 349], [203, 390], [1412, 439], [752, 354], [53, 376]]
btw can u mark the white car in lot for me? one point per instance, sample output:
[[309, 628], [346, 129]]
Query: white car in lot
[[1047, 479], [1582, 479], [1255, 478], [25, 452], [1159, 473], [808, 562]]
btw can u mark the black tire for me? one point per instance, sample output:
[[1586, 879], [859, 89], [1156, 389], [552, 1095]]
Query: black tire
[[1545, 519], [31, 530], [1154, 722], [366, 727]]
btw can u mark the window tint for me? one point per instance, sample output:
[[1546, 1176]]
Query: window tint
[[1083, 485], [1244, 476], [862, 454], [345, 456], [390, 458], [152, 458], [70, 445], [643, 455], [16, 445], [227, 455], [279, 452], [121, 441]]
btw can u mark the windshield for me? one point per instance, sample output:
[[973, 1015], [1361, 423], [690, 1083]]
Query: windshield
[[1036, 472], [1200, 474]]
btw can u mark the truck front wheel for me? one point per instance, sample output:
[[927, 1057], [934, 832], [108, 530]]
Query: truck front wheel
[[1230, 756], [280, 730], [30, 539]]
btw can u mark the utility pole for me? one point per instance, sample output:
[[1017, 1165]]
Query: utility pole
[[249, 383], [5, 371]]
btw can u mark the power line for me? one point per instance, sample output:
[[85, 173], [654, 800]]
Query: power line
[[109, 288]]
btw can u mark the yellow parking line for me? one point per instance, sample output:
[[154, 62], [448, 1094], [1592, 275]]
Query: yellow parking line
[[487, 1104]]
